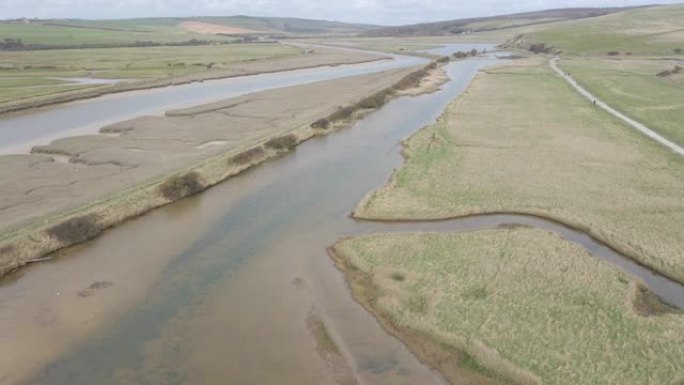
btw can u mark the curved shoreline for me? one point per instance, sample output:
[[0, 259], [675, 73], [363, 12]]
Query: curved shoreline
[[576, 227]]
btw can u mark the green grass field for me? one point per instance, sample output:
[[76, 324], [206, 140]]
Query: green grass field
[[525, 304], [73, 36], [549, 153], [25, 73], [73, 32], [649, 31], [632, 87]]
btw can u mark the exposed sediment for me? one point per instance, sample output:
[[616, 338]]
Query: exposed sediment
[[157, 160]]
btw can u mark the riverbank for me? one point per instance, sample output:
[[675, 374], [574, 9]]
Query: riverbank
[[520, 305], [70, 191], [318, 57], [551, 154]]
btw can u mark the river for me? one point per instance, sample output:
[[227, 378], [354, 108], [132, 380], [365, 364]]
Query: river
[[219, 288]]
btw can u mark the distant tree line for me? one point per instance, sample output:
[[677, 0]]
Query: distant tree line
[[10, 44]]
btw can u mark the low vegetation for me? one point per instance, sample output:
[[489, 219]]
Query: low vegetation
[[523, 304], [181, 186], [646, 90], [572, 162], [248, 156], [75, 230], [282, 143]]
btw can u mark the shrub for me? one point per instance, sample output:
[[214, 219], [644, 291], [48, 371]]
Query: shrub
[[540, 48], [444, 59], [76, 230], [285, 142], [341, 113], [321, 124], [613, 53], [248, 156], [376, 100], [678, 50], [180, 186]]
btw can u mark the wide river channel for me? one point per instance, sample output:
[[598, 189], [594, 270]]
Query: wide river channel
[[220, 288]]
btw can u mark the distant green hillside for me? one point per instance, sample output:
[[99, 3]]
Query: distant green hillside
[[72, 32], [644, 31], [288, 25], [478, 24]]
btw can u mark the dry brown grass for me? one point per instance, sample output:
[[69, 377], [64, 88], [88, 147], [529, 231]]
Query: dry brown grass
[[549, 153], [524, 304]]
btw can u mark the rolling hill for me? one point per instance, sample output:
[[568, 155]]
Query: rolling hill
[[478, 24], [77, 32], [657, 30]]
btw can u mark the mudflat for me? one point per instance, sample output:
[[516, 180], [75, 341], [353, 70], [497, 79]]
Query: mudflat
[[147, 161]]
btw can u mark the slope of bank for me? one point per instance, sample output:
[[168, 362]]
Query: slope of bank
[[71, 190], [551, 154]]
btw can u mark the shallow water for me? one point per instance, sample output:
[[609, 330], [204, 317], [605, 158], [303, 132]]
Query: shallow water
[[217, 289], [21, 132]]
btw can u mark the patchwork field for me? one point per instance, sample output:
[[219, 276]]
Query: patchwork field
[[549, 153], [521, 304], [634, 88]]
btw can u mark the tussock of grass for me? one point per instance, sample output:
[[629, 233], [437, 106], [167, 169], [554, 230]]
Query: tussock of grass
[[321, 124], [181, 186], [76, 230], [646, 304], [521, 303], [4, 250], [285, 142], [248, 156]]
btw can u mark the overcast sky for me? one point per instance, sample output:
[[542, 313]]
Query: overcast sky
[[386, 12]]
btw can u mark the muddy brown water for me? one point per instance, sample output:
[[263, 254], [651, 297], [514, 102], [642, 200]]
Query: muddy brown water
[[217, 289]]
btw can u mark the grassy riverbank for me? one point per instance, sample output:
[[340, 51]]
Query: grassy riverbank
[[633, 87], [524, 305], [551, 154]]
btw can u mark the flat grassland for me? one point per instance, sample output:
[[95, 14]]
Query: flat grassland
[[29, 73], [522, 140], [645, 31], [632, 87], [524, 304]]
